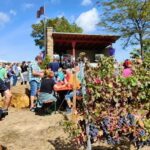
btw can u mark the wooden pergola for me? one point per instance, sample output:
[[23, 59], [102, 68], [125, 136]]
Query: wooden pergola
[[81, 41], [74, 41]]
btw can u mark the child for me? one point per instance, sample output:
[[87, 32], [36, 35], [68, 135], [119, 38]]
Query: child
[[60, 76]]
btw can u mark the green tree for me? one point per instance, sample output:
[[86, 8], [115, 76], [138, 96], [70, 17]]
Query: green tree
[[129, 18], [58, 24], [146, 48], [46, 62]]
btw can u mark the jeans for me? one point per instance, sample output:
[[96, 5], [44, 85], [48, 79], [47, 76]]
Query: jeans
[[69, 96], [34, 86], [15, 78]]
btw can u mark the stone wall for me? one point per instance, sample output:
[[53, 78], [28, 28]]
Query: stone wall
[[50, 43]]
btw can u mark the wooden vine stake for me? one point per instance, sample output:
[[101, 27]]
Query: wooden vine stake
[[74, 112]]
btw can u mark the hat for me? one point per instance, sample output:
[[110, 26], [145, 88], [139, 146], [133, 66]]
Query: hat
[[127, 63]]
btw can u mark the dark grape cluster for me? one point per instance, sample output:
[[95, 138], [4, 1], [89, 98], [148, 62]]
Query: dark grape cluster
[[105, 124], [122, 121], [131, 119], [93, 132], [124, 125]]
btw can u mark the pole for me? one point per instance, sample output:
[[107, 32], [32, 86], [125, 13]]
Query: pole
[[74, 83], [45, 40], [83, 85], [74, 92]]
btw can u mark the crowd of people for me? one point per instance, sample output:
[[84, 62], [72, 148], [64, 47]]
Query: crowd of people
[[43, 82], [12, 73], [56, 77]]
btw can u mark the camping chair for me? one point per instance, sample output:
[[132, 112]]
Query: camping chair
[[48, 104]]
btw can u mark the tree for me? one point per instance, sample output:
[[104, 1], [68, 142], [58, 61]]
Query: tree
[[129, 18], [146, 48], [46, 62], [58, 24]]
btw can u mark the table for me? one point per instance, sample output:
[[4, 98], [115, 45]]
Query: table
[[62, 89], [62, 92]]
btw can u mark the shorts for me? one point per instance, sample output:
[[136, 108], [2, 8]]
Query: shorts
[[3, 87], [34, 86]]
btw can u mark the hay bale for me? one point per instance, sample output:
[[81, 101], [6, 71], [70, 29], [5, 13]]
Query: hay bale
[[20, 97], [1, 103], [20, 100]]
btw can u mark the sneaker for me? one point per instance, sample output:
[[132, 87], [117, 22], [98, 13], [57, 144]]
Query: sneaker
[[32, 109]]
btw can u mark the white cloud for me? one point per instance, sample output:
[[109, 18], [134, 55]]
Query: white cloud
[[88, 20], [13, 12], [86, 2], [28, 6], [4, 18]]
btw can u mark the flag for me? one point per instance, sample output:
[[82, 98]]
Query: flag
[[40, 12]]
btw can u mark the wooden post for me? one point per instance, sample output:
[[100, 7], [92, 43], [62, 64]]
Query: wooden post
[[74, 92], [74, 84]]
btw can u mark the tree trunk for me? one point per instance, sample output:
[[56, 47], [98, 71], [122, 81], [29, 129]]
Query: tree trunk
[[141, 46]]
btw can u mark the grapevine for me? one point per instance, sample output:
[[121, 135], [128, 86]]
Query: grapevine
[[118, 107]]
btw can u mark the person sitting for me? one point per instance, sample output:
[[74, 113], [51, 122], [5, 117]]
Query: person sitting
[[60, 76], [69, 96], [127, 72], [66, 76], [46, 90]]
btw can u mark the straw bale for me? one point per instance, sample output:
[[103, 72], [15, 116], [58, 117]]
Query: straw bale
[[20, 100], [20, 97], [1, 102]]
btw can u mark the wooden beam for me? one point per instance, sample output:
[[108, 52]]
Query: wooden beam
[[82, 41]]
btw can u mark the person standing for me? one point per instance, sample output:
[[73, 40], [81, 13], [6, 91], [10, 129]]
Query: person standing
[[3, 72], [6, 93], [4, 90], [127, 72], [35, 75], [10, 74], [54, 66], [24, 71], [16, 74]]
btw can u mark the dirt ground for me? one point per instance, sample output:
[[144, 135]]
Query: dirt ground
[[23, 130]]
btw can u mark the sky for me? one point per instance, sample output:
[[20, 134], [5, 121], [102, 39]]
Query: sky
[[17, 16]]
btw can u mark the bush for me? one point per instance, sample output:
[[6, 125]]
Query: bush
[[46, 62]]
